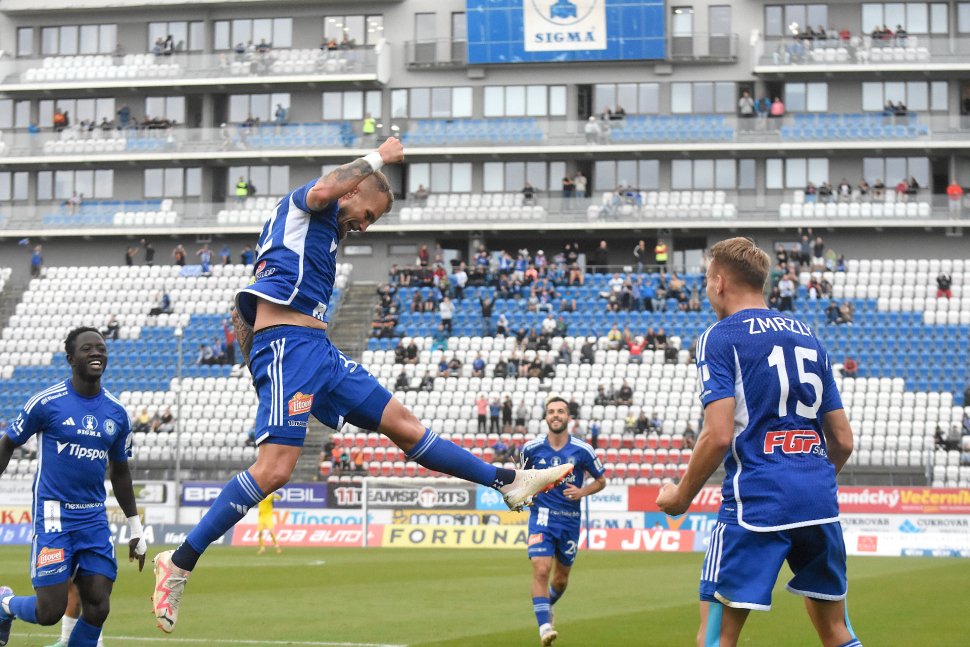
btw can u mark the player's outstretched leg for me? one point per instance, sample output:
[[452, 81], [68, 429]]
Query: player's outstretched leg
[[831, 620], [424, 447]]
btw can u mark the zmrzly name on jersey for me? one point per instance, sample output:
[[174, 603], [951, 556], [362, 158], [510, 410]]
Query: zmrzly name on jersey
[[758, 325]]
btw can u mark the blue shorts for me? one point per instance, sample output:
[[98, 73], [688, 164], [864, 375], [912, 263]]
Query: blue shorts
[[553, 535], [57, 556], [742, 566], [296, 372]]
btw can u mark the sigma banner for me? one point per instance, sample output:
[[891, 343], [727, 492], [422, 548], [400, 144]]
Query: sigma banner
[[561, 25], [456, 496], [517, 31], [295, 495]]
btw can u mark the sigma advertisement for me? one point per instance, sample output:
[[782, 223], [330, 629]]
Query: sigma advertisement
[[533, 31]]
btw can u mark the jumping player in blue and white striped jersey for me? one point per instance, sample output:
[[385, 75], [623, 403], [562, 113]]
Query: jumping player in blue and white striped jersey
[[281, 322], [81, 429], [773, 415]]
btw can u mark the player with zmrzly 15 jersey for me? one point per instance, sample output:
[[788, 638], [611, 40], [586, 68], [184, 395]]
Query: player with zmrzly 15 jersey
[[773, 414], [281, 324], [554, 522], [81, 430]]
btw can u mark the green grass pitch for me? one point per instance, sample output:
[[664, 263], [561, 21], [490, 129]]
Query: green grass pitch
[[452, 598]]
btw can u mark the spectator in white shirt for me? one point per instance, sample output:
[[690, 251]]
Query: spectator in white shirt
[[458, 281], [548, 325], [580, 182], [447, 310], [787, 288], [616, 283]]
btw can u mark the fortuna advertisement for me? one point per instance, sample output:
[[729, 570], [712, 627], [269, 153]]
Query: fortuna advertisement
[[561, 25]]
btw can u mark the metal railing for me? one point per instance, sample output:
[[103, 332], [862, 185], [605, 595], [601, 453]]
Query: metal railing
[[702, 48], [448, 135], [545, 211], [436, 53], [860, 50], [111, 70]]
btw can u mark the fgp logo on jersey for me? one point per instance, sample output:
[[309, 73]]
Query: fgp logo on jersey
[[792, 442], [561, 25], [49, 556], [300, 404]]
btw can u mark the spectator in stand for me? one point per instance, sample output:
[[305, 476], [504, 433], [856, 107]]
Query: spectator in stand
[[111, 331], [845, 191], [943, 283], [879, 189], [412, 354], [423, 256], [636, 347], [774, 299], [660, 254], [568, 190], [165, 422], [494, 415], [613, 337], [179, 255], [592, 130], [845, 35], [459, 280], [507, 415], [502, 327], [846, 312], [454, 367], [400, 352], [818, 254], [501, 450], [401, 384], [689, 436], [130, 256], [478, 366], [481, 406], [811, 193], [762, 108], [777, 108], [529, 194], [966, 396], [601, 257], [163, 305], [746, 110], [786, 287], [863, 190], [421, 196], [586, 353], [36, 263], [446, 310], [901, 191], [656, 424], [956, 195], [521, 417], [205, 355], [143, 422], [229, 332], [832, 313], [579, 181], [427, 382], [205, 259], [225, 254], [625, 395]]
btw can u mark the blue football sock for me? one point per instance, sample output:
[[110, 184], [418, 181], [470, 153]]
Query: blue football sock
[[541, 607], [84, 635], [712, 637], [448, 458], [237, 497], [554, 595], [24, 608]]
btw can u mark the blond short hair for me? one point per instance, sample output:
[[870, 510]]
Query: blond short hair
[[744, 260]]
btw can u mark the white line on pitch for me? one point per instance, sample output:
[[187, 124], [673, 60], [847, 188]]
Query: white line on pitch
[[234, 642]]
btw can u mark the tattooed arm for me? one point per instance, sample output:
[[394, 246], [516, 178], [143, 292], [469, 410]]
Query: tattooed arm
[[244, 335], [345, 179]]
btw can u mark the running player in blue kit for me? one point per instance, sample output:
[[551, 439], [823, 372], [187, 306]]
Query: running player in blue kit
[[281, 322], [773, 414], [81, 430], [554, 522]]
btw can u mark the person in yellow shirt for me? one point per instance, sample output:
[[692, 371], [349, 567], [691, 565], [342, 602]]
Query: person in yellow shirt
[[267, 521]]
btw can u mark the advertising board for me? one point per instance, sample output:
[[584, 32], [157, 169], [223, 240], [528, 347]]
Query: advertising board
[[454, 496], [330, 536], [295, 495], [533, 31]]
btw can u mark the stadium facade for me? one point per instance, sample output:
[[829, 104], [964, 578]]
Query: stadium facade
[[485, 104]]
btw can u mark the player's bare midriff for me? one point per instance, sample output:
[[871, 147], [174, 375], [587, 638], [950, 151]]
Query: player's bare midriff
[[273, 314]]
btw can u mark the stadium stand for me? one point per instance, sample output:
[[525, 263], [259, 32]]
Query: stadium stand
[[219, 404], [912, 371]]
